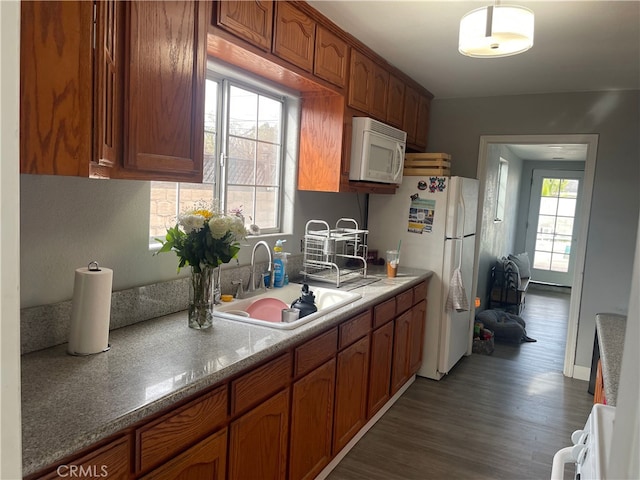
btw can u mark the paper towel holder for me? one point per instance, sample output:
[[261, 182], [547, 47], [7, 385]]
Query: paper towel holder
[[92, 266], [76, 354]]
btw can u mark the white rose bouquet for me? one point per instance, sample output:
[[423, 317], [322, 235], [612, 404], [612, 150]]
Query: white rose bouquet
[[204, 237]]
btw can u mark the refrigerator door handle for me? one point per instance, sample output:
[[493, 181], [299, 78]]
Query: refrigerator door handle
[[459, 232]]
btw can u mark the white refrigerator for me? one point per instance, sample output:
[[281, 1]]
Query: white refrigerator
[[434, 221]]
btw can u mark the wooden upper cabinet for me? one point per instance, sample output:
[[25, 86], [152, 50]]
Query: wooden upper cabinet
[[108, 83], [164, 87], [395, 102], [422, 124], [56, 87], [416, 117], [360, 81], [331, 57], [410, 119], [380, 85], [250, 20], [294, 36]]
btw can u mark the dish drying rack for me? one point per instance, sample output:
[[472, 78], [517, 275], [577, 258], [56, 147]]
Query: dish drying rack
[[334, 255]]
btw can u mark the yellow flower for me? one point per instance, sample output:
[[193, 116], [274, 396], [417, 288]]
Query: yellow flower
[[207, 214]]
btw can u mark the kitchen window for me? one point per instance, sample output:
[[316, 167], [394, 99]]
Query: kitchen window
[[244, 150]]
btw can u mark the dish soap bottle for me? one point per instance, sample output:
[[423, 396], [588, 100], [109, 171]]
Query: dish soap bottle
[[279, 264]]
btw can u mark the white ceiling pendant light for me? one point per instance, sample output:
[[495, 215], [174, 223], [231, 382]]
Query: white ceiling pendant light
[[496, 31]]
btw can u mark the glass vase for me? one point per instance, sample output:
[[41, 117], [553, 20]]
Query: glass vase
[[201, 297]]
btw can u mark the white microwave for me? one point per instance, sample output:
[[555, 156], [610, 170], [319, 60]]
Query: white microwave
[[377, 151]]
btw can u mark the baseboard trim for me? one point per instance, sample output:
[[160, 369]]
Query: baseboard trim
[[343, 453], [581, 373]]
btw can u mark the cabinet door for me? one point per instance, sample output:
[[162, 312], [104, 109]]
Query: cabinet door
[[380, 368], [360, 81], [312, 422], [395, 102], [161, 439], [294, 36], [258, 444], [331, 57], [110, 461], [422, 125], [164, 115], [56, 87], [249, 20], [108, 84], [351, 393], [410, 119], [401, 349], [380, 93], [204, 461], [418, 317]]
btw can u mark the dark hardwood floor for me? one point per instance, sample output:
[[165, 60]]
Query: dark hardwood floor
[[499, 416]]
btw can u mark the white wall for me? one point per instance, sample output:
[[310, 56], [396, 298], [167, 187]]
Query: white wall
[[10, 429], [66, 222], [456, 127], [497, 239]]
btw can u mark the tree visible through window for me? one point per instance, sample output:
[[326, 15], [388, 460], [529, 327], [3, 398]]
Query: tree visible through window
[[242, 160]]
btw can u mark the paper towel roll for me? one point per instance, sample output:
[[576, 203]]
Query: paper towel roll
[[90, 310]]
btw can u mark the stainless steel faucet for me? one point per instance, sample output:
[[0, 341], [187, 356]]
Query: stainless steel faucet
[[252, 274]]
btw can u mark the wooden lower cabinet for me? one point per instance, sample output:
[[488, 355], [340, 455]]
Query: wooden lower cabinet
[[312, 422], [161, 440], [258, 441], [204, 461], [380, 368], [110, 461], [287, 418], [401, 348], [416, 336], [351, 392], [598, 395]]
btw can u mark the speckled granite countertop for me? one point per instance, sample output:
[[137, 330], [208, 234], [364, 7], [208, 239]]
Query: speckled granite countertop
[[69, 403], [611, 329]]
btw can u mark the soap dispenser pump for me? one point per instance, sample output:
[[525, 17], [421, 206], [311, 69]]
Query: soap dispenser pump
[[306, 302]]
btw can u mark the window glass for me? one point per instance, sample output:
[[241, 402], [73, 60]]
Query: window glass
[[243, 158]]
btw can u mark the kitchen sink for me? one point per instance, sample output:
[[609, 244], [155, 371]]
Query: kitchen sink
[[264, 309]]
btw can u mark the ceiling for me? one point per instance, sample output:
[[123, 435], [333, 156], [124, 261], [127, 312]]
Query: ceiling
[[578, 45]]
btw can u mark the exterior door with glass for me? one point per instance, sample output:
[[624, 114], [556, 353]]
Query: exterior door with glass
[[552, 224]]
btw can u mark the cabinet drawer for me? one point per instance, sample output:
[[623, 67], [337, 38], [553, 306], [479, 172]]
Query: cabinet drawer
[[161, 439], [260, 384], [384, 312], [110, 461], [356, 328], [315, 352], [404, 301], [419, 292], [205, 460]]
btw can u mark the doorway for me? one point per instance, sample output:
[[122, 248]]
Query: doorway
[[552, 225], [590, 141]]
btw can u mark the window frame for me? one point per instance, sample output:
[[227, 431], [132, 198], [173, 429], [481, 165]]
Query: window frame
[[290, 124]]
